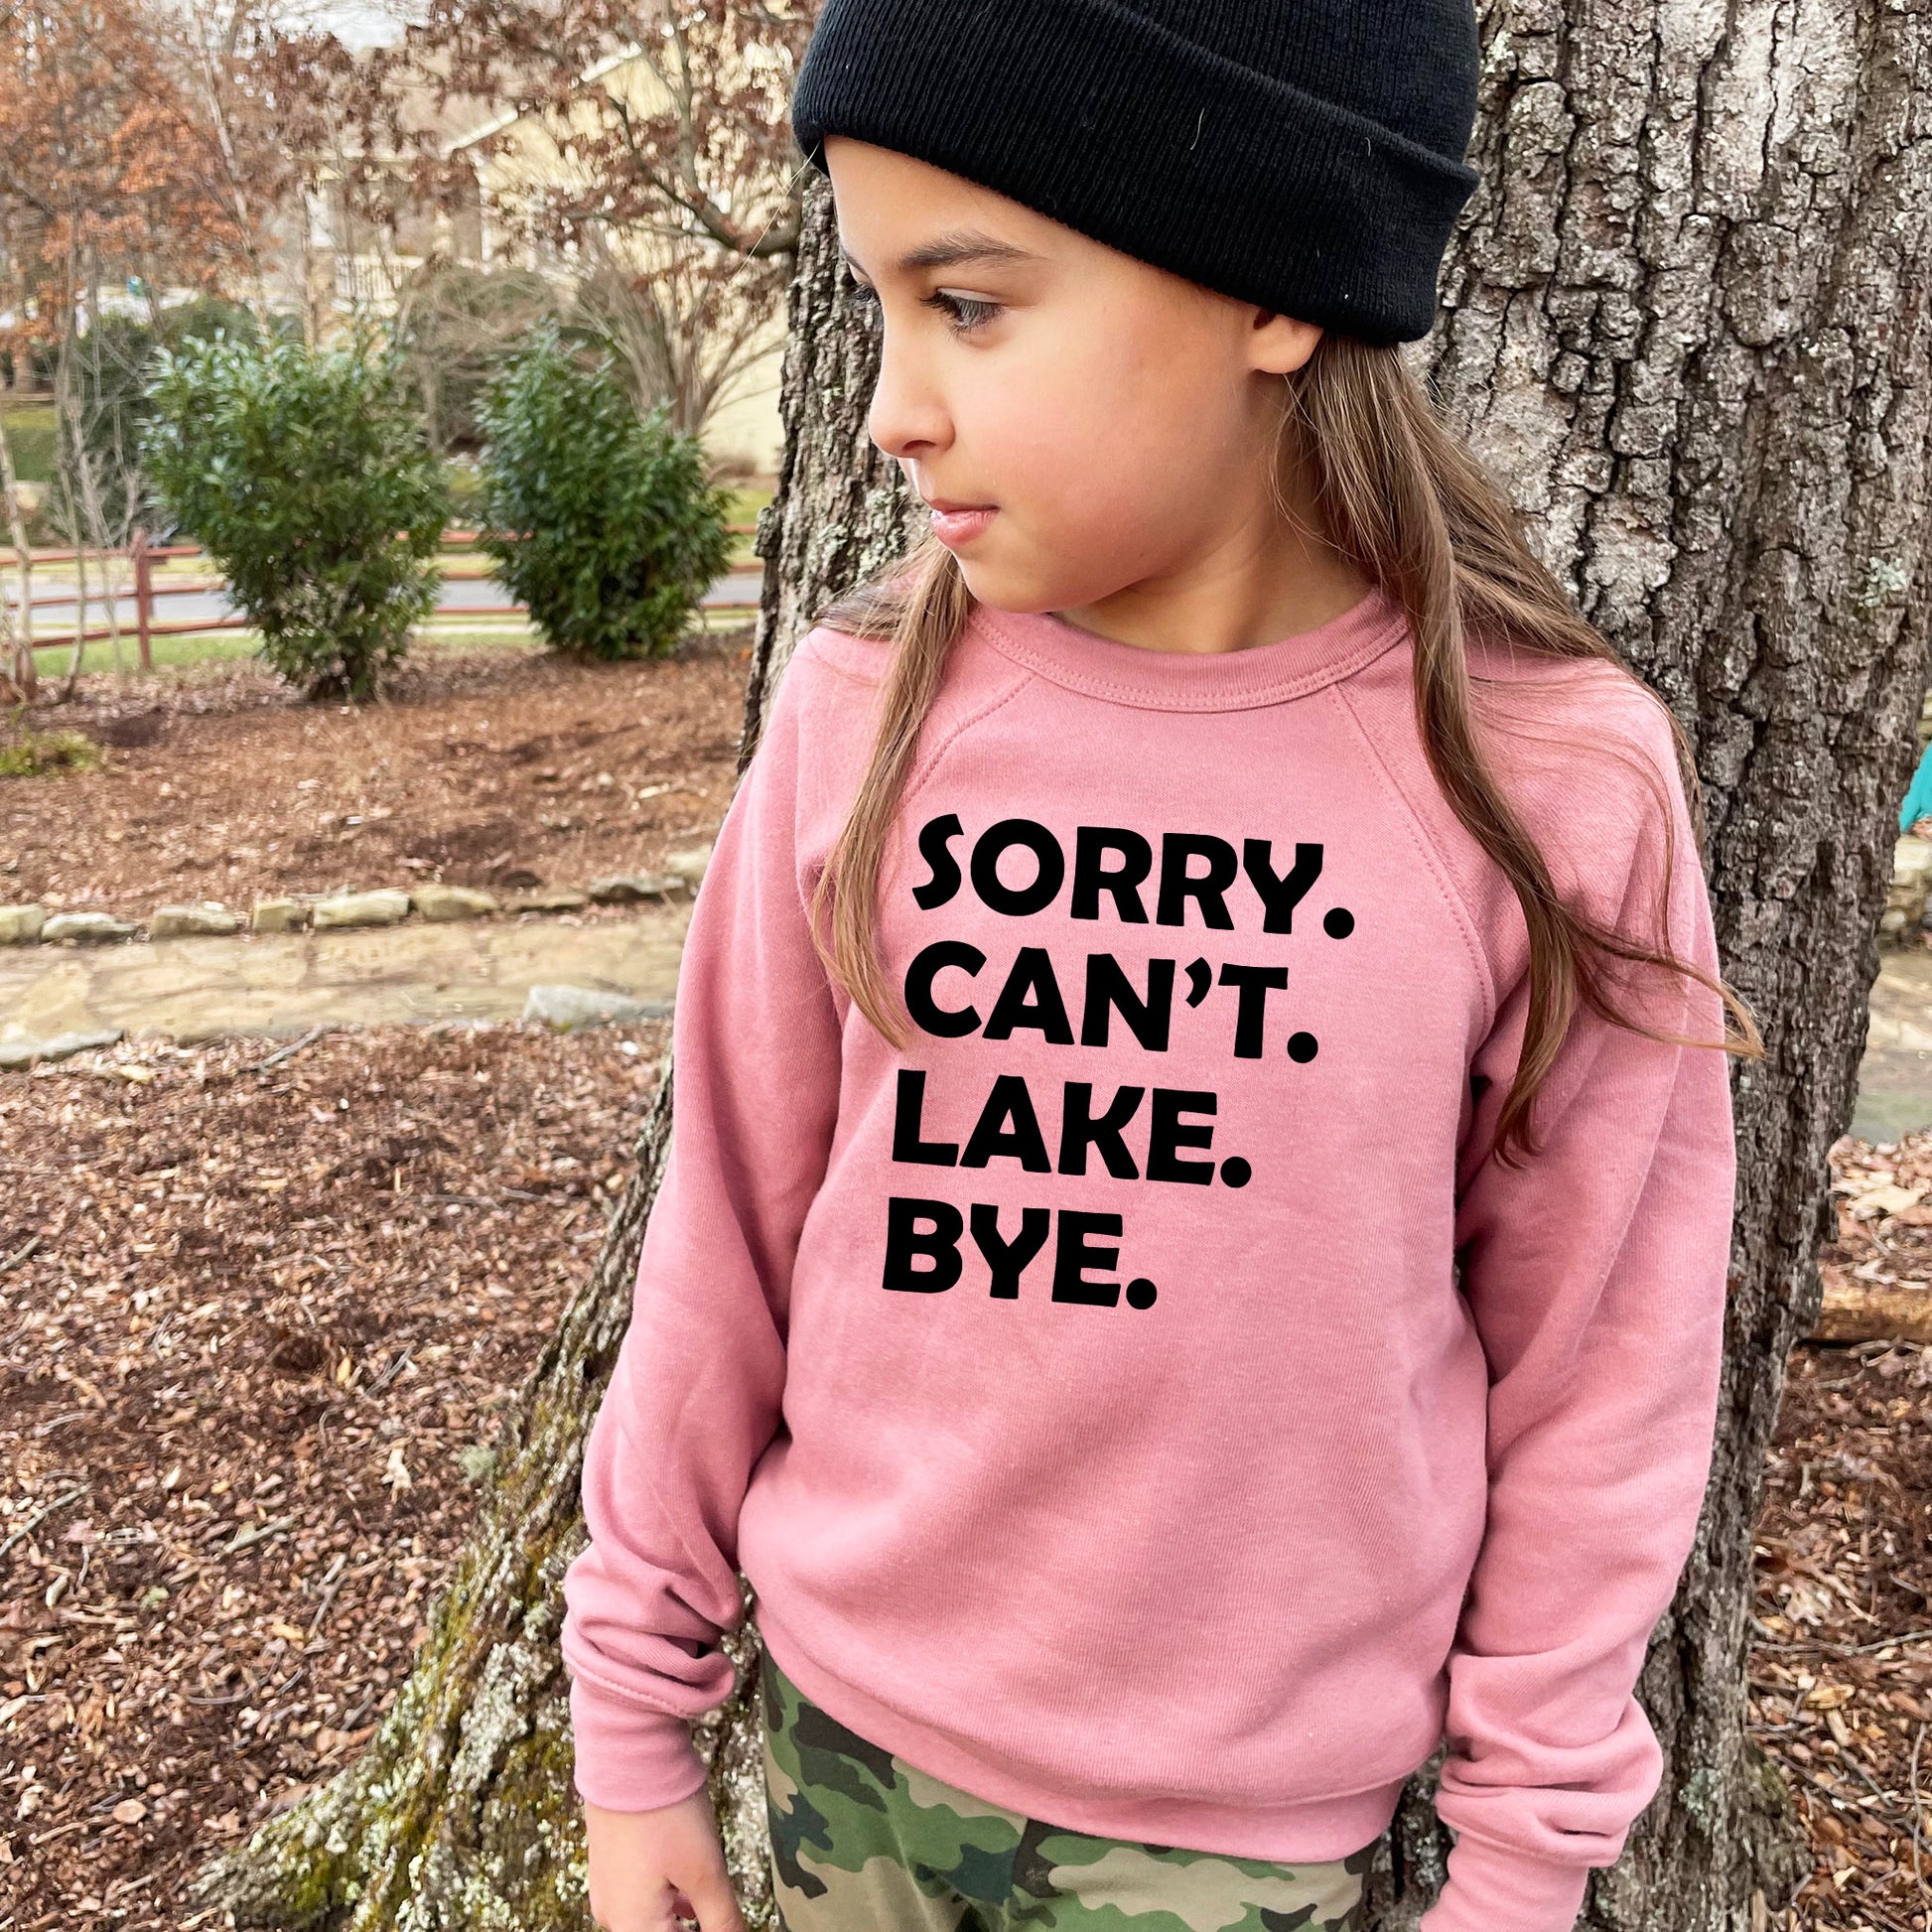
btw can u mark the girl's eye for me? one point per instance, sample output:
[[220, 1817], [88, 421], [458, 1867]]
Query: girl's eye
[[965, 312]]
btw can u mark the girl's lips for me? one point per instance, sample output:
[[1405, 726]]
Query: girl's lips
[[961, 526]]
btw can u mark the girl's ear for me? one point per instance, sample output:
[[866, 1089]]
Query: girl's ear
[[1280, 344]]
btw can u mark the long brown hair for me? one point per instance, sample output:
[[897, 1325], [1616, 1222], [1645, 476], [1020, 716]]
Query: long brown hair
[[1414, 510]]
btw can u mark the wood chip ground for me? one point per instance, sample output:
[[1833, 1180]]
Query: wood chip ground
[[258, 1330], [505, 768]]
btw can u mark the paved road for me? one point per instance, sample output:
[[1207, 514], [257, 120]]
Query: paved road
[[458, 594]]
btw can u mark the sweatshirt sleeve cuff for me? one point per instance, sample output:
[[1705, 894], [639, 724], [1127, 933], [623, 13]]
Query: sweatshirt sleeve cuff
[[1492, 1888], [630, 1757]]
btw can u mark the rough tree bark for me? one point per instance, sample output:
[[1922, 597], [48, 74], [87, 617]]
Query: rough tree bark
[[1687, 320]]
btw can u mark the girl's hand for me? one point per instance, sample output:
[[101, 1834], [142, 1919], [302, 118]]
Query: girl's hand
[[650, 1869]]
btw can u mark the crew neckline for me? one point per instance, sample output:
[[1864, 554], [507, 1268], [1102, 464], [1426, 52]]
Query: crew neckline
[[1172, 680]]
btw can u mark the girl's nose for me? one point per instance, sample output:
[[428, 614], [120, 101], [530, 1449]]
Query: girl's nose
[[908, 417]]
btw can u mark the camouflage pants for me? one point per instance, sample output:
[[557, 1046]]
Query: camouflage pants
[[861, 1842]]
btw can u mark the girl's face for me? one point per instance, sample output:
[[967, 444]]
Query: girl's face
[[1107, 424]]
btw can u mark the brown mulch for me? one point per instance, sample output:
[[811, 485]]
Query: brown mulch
[[1885, 1218], [257, 1323], [506, 768], [256, 1327], [1840, 1672]]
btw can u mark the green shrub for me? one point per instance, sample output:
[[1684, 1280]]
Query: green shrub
[[601, 521], [202, 317], [27, 754], [305, 476], [31, 435]]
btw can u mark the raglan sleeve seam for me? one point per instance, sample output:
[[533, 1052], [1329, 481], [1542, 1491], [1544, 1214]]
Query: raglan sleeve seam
[[1412, 818], [928, 764]]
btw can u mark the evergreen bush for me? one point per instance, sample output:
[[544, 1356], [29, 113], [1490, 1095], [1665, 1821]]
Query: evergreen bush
[[600, 520], [305, 476]]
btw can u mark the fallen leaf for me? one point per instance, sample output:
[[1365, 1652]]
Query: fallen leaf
[[1805, 1603], [1887, 1199]]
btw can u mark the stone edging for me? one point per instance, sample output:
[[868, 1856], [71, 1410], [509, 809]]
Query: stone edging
[[1911, 884], [33, 925]]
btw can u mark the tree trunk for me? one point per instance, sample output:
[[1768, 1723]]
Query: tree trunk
[[841, 508], [1687, 321]]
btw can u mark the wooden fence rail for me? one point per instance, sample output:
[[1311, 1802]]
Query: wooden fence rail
[[146, 591]]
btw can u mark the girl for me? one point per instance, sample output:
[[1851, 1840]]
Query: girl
[[1192, 1265]]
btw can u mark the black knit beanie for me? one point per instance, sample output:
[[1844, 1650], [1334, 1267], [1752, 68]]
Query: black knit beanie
[[1304, 155]]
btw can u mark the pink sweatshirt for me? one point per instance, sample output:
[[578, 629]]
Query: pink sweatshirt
[[1090, 1393]]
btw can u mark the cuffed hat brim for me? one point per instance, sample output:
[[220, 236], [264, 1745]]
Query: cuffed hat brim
[[1101, 117]]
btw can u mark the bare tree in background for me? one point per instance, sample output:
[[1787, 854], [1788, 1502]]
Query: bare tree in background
[[685, 334], [148, 141], [148, 150], [17, 625], [84, 503], [451, 323], [669, 177]]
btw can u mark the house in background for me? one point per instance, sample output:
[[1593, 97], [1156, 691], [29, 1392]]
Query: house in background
[[698, 328]]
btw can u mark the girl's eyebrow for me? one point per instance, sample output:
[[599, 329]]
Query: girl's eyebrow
[[954, 246]]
